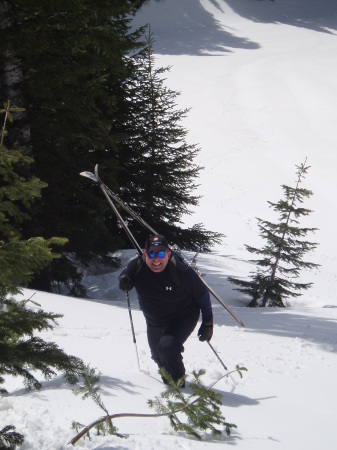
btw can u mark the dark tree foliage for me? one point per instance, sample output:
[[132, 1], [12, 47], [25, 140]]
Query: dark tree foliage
[[63, 61], [139, 3], [22, 354], [68, 63], [10, 439], [156, 169], [20, 351], [281, 259], [19, 258]]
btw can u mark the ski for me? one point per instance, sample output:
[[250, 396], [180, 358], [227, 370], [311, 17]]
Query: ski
[[107, 193], [111, 196]]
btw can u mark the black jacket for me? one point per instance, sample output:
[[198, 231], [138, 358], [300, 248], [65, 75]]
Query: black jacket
[[169, 294]]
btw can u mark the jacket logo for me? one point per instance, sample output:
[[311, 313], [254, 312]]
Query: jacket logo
[[169, 288]]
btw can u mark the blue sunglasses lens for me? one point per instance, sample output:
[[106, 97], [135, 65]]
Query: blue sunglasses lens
[[160, 254]]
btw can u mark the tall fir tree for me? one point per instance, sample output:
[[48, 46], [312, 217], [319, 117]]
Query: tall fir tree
[[22, 352], [157, 172], [64, 62], [18, 258], [281, 259]]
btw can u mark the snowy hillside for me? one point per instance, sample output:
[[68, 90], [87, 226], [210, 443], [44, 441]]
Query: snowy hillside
[[261, 79]]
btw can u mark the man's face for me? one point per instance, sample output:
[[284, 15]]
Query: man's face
[[157, 264]]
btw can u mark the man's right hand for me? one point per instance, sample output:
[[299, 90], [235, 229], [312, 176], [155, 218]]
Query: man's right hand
[[125, 283], [205, 332]]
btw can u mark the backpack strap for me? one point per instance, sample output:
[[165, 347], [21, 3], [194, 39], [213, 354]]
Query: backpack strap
[[174, 271], [139, 265]]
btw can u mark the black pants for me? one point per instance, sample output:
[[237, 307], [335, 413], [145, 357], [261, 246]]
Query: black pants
[[166, 343]]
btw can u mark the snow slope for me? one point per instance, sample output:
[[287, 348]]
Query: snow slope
[[261, 78], [286, 400]]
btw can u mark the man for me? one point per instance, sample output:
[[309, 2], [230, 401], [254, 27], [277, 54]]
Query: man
[[171, 296]]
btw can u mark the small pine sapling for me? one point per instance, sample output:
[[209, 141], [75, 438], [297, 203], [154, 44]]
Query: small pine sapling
[[281, 259]]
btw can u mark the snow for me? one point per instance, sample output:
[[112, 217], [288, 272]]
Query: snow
[[261, 79]]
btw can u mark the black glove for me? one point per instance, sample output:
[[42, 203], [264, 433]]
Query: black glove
[[125, 283], [205, 332]]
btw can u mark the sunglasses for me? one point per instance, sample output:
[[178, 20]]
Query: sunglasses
[[160, 254]]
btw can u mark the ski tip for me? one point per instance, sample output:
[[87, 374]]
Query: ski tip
[[89, 175], [96, 173]]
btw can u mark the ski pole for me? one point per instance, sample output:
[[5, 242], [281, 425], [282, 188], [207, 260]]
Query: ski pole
[[132, 327], [221, 362], [216, 354]]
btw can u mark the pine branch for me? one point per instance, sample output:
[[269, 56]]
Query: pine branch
[[202, 411], [10, 439], [8, 110]]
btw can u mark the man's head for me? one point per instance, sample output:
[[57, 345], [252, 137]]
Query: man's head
[[157, 253]]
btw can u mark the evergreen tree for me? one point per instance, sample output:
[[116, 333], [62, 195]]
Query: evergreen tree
[[281, 259], [156, 169], [21, 352], [68, 58], [19, 258]]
